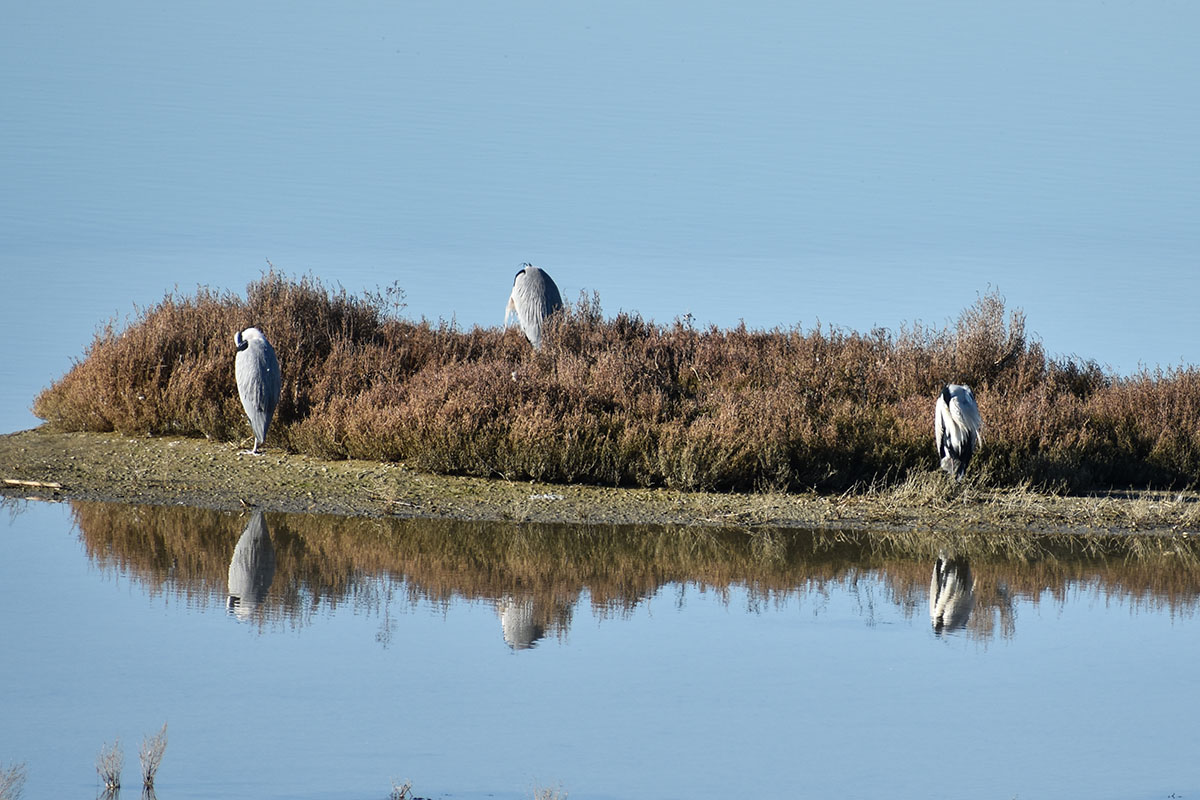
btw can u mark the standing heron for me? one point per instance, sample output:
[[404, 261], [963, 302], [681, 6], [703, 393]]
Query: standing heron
[[534, 297], [957, 427], [258, 380]]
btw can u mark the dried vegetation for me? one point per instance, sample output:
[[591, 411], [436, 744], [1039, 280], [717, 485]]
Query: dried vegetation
[[109, 764], [150, 756], [628, 402]]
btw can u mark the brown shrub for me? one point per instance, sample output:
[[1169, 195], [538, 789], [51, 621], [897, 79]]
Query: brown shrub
[[630, 402]]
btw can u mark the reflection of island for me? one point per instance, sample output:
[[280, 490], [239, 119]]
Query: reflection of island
[[536, 575], [521, 630], [951, 594], [252, 569]]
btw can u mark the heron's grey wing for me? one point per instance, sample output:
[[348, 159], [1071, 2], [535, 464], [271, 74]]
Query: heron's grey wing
[[966, 416], [264, 378], [528, 299], [252, 382], [552, 299], [274, 378], [971, 418], [258, 384], [939, 430], [246, 372]]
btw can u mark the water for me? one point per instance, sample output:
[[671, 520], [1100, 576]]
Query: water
[[487, 660], [861, 164], [864, 164]]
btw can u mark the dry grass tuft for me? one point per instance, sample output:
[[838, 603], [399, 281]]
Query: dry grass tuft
[[929, 489], [12, 781], [109, 764], [150, 756], [629, 402]]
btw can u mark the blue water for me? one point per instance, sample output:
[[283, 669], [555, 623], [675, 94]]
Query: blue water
[[864, 164], [834, 688]]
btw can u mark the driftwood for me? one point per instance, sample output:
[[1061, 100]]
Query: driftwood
[[35, 484]]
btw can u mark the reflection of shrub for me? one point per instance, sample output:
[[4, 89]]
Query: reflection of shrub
[[629, 402], [12, 781], [325, 562]]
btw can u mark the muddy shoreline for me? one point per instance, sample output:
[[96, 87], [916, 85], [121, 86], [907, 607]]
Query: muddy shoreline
[[206, 474]]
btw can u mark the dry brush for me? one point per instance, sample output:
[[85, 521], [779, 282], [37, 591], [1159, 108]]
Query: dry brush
[[625, 401]]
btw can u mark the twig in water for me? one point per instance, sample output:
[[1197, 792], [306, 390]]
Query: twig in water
[[151, 756], [109, 764]]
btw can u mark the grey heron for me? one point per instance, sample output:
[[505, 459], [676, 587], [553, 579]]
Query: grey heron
[[957, 427], [951, 594], [534, 297], [258, 380]]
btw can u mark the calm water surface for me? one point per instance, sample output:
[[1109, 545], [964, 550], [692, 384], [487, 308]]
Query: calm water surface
[[858, 164], [297, 656]]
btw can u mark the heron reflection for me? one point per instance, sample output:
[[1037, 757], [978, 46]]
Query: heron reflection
[[252, 569], [951, 594], [521, 631]]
